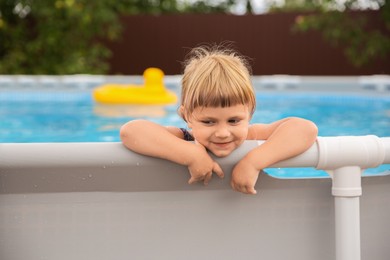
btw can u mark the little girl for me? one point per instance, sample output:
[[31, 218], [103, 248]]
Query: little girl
[[217, 103]]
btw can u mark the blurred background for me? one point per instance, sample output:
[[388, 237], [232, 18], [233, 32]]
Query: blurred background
[[295, 37]]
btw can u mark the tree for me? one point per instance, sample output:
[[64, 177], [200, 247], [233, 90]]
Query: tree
[[56, 37], [341, 25], [65, 36]]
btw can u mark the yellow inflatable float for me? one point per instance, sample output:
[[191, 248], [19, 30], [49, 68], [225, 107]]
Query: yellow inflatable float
[[153, 92]]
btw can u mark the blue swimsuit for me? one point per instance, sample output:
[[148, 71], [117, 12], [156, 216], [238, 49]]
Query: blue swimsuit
[[187, 135]]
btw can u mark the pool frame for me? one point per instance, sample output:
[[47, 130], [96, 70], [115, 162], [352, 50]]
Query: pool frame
[[101, 201], [74, 200]]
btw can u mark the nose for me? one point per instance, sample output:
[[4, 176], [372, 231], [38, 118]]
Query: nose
[[222, 132]]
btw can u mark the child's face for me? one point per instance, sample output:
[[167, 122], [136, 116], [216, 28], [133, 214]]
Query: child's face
[[220, 129]]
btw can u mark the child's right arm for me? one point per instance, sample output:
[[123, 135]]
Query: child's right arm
[[167, 143]]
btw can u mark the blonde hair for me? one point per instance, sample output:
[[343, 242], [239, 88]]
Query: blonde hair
[[215, 77]]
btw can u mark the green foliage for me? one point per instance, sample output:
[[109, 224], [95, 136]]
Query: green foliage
[[340, 26], [64, 36], [207, 7], [56, 37]]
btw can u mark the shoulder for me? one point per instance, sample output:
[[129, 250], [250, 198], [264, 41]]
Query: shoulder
[[175, 131], [181, 133], [263, 131], [257, 132]]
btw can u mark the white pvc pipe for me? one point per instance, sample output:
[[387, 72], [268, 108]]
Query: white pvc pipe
[[363, 151], [346, 190], [347, 228], [327, 153]]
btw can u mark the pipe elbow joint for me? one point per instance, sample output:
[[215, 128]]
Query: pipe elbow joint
[[341, 151]]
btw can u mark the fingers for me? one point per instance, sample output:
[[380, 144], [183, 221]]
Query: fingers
[[244, 188], [205, 178], [193, 180], [247, 189], [217, 170]]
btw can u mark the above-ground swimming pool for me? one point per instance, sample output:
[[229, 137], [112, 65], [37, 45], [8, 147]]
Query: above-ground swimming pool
[[56, 114], [39, 110], [93, 199]]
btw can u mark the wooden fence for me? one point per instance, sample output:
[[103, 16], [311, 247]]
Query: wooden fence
[[163, 41]]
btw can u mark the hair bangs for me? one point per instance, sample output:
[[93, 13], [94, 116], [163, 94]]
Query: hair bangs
[[220, 92], [216, 78]]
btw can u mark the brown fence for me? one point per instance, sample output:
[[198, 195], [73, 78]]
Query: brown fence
[[163, 41]]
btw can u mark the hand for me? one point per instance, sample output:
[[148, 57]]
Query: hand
[[202, 166], [244, 177]]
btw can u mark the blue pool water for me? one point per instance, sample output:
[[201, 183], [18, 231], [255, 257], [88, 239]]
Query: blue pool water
[[70, 117], [74, 117]]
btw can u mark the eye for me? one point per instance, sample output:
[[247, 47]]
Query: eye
[[234, 121], [207, 122]]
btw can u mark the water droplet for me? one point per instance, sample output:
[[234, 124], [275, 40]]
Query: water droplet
[[90, 175], [137, 163], [104, 167]]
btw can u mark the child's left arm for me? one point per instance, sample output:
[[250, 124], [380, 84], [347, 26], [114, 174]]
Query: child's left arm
[[285, 138]]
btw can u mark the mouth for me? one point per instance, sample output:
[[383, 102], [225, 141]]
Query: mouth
[[221, 144]]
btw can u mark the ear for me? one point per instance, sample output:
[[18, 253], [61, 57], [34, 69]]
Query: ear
[[182, 113], [250, 117], [250, 113]]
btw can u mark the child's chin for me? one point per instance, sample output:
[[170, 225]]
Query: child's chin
[[221, 154]]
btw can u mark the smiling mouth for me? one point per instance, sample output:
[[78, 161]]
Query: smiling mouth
[[222, 144]]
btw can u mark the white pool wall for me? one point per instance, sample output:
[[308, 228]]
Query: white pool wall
[[365, 84], [95, 201], [101, 201]]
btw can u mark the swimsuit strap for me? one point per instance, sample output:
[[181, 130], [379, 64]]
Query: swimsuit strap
[[187, 135]]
